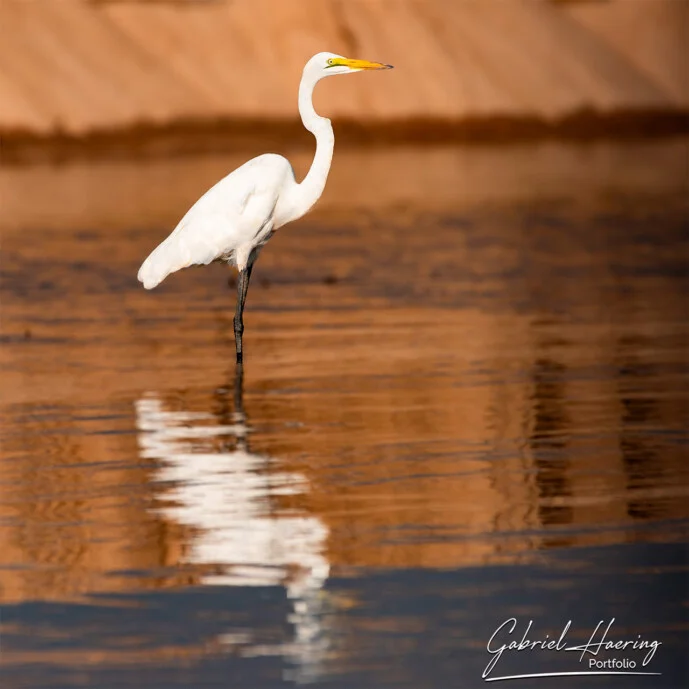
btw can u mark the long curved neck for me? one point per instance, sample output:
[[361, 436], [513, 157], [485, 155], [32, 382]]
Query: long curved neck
[[309, 191]]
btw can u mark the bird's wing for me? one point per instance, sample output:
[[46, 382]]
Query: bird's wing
[[229, 215]]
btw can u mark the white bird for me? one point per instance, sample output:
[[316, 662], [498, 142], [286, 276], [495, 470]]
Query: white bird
[[237, 216]]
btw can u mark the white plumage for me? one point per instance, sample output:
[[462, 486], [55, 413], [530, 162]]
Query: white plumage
[[232, 218], [236, 217]]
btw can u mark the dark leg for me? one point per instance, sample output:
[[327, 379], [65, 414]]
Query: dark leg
[[242, 289], [239, 416]]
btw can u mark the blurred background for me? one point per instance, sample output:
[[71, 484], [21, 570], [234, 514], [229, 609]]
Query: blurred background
[[465, 396], [76, 69]]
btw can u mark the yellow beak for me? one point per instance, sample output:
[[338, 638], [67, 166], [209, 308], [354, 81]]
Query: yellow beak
[[358, 64]]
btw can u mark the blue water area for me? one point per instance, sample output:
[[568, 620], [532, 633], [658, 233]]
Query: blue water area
[[411, 628]]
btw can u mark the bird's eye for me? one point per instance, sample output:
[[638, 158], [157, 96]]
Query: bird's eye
[[331, 61]]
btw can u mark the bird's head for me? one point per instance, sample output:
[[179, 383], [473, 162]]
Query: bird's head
[[327, 64]]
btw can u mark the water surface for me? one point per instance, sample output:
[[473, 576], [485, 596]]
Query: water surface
[[464, 400]]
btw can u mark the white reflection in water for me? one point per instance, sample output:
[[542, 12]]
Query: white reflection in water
[[228, 496]]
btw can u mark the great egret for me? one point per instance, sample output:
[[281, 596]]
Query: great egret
[[237, 216]]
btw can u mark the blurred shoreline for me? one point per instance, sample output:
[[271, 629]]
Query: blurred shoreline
[[198, 136], [116, 79]]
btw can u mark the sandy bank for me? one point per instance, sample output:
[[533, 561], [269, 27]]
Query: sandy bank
[[79, 72]]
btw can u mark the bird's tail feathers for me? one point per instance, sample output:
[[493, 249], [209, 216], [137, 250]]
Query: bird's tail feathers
[[165, 259]]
